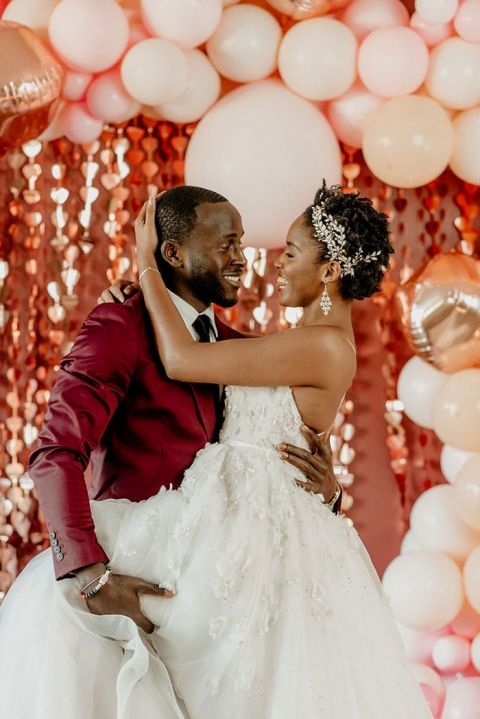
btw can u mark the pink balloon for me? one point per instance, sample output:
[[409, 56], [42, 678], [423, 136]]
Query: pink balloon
[[363, 16], [467, 623], [75, 85], [89, 36], [467, 20], [136, 33], [433, 699], [349, 114], [463, 699], [393, 61], [418, 645], [451, 654], [78, 125], [432, 33], [107, 98]]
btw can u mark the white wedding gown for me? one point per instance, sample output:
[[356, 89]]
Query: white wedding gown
[[278, 612]]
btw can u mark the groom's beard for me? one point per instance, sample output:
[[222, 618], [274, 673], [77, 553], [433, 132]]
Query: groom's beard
[[207, 287]]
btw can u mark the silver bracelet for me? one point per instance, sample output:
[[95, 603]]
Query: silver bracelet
[[153, 269]]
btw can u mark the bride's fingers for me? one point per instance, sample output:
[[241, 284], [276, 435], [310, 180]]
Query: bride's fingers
[[312, 487]]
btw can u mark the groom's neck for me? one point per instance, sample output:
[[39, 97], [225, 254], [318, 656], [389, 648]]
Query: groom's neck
[[183, 291]]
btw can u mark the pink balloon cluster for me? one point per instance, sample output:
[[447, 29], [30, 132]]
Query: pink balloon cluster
[[434, 584]]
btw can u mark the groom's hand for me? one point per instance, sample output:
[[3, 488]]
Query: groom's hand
[[316, 465], [119, 291], [120, 595]]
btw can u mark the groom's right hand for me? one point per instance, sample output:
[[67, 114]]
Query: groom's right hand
[[120, 595]]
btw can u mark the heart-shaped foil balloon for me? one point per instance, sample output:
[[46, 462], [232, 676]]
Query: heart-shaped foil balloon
[[440, 311]]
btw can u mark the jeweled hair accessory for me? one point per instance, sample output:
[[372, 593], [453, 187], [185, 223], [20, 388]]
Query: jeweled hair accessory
[[330, 231]]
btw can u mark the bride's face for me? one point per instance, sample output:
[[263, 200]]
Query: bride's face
[[299, 272]]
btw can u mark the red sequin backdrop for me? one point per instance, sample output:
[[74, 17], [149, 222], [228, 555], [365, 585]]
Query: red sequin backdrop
[[66, 231]]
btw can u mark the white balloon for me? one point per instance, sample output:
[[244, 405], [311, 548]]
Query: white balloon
[[453, 74], [188, 23], [251, 144], [465, 159], [410, 543], [155, 71], [426, 675], [471, 577], [475, 652], [452, 460], [202, 91], [433, 11], [436, 523], [244, 47], [32, 13], [425, 589], [318, 58], [418, 383]]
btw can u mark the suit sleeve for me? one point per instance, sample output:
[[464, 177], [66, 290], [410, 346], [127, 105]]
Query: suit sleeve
[[91, 382]]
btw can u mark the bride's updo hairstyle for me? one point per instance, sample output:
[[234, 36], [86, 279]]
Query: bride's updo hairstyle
[[347, 228]]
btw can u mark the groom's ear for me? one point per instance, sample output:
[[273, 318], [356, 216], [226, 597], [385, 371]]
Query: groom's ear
[[172, 253]]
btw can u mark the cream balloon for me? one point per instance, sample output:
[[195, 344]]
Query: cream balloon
[[317, 58], [89, 36], [244, 47], [432, 33], [467, 493], [452, 460], [166, 83], [250, 145], [436, 10], [465, 160], [453, 74], [436, 524], [410, 543], [202, 91], [418, 383], [451, 654], [408, 141], [349, 114], [364, 16], [55, 128], [456, 410], [32, 13], [188, 23], [471, 578], [424, 589]]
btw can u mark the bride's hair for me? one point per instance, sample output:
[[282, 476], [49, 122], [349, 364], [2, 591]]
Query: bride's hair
[[367, 247]]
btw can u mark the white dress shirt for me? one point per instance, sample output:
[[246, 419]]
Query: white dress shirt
[[189, 314]]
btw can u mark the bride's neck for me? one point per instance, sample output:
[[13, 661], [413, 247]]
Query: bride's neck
[[340, 314]]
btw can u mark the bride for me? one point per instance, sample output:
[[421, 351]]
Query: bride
[[277, 611]]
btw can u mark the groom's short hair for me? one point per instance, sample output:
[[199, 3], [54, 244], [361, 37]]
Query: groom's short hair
[[175, 214]]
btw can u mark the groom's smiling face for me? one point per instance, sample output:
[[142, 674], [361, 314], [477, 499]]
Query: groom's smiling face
[[212, 259]]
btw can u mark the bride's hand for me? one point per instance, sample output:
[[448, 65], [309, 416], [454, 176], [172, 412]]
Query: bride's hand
[[145, 233]]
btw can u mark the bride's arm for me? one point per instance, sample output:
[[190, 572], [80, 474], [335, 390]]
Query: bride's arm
[[275, 360]]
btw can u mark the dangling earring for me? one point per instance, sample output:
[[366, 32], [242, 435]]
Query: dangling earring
[[325, 301]]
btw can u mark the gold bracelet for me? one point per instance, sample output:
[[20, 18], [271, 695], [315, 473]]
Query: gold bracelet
[[153, 269]]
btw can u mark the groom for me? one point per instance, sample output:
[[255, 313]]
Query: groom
[[114, 407]]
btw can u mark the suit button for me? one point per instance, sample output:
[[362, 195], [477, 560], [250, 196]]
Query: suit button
[[57, 550], [59, 557], [54, 542], [52, 535]]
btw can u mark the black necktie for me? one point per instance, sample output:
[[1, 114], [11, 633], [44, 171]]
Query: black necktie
[[203, 327]]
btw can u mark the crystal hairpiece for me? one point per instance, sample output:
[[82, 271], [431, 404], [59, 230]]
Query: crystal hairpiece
[[328, 230]]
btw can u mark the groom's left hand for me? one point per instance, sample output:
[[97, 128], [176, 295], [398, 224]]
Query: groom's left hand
[[316, 465]]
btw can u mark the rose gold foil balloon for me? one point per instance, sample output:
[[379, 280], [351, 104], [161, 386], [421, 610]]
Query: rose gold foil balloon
[[30, 81], [302, 9], [440, 311]]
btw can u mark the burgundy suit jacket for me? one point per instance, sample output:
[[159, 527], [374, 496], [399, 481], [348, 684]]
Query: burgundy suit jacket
[[113, 405]]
